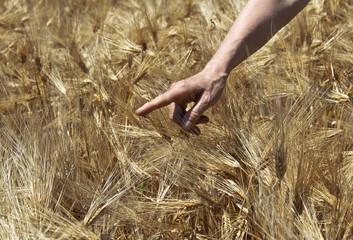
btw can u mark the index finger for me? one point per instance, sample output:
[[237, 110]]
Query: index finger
[[172, 95]]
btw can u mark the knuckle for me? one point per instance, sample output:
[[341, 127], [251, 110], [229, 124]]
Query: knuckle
[[206, 99], [178, 84]]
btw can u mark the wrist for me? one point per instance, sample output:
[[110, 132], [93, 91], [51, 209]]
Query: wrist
[[217, 69]]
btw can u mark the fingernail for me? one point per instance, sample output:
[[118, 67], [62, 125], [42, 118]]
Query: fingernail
[[187, 125]]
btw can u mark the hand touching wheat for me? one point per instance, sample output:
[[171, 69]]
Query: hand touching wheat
[[255, 25], [204, 89]]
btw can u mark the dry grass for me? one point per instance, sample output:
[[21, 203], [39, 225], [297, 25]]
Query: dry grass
[[276, 161]]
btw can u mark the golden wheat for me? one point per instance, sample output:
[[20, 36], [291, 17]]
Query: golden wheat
[[275, 162]]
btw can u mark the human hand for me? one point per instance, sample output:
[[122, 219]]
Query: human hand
[[204, 89]]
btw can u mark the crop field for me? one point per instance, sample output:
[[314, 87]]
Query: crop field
[[76, 162]]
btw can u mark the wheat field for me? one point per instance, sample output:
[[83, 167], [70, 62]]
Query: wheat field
[[275, 161]]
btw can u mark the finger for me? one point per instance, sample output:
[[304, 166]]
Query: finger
[[172, 95], [194, 114], [176, 112]]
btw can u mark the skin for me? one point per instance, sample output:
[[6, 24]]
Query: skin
[[256, 24]]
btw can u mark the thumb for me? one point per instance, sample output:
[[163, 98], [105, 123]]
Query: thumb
[[193, 115]]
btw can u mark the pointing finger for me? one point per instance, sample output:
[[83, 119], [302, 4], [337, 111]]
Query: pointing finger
[[172, 95]]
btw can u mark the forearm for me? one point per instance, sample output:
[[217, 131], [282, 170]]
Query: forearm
[[255, 25]]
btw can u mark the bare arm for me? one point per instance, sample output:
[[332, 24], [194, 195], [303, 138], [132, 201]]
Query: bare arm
[[255, 25]]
